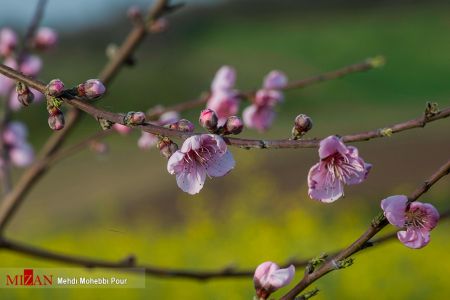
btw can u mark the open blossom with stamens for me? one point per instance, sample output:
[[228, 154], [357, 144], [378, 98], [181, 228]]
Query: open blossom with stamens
[[261, 113], [269, 277], [200, 155], [339, 164], [417, 218], [224, 99]]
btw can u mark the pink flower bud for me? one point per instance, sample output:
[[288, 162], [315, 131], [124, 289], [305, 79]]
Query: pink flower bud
[[31, 65], [302, 125], [159, 25], [234, 125], [224, 79], [269, 277], [22, 155], [266, 97], [91, 89], [147, 140], [135, 118], [24, 95], [45, 38], [167, 147], [122, 129], [208, 119], [134, 13], [55, 88], [56, 121], [8, 41], [275, 80], [182, 125], [6, 84], [224, 103]]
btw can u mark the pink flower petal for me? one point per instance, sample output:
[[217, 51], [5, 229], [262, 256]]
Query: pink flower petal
[[266, 97], [321, 186], [394, 209], [224, 79], [414, 239], [275, 80], [258, 117], [330, 146], [192, 179], [147, 140], [220, 165], [22, 155], [224, 104], [282, 277]]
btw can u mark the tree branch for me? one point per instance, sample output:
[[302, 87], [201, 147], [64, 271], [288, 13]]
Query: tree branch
[[375, 227]]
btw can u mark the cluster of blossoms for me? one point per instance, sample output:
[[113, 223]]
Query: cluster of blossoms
[[19, 151], [29, 64]]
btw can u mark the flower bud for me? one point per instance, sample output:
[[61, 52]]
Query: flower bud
[[55, 88], [134, 118], [159, 25], [91, 89], [233, 125], [8, 41], [24, 95], [45, 38], [208, 119], [302, 125], [31, 65], [134, 13], [182, 125], [56, 120], [122, 129], [167, 147]]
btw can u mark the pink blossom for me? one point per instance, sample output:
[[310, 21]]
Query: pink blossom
[[417, 218], [22, 155], [224, 79], [31, 65], [122, 129], [258, 117], [275, 80], [8, 41], [149, 140], [15, 133], [7, 84], [269, 277], [224, 103], [46, 38], [339, 164], [200, 155], [265, 97]]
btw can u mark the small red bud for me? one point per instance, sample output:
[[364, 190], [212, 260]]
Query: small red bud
[[302, 125], [24, 95], [55, 88], [56, 121], [91, 89], [234, 125], [208, 119]]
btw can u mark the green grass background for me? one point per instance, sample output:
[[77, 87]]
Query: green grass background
[[126, 203]]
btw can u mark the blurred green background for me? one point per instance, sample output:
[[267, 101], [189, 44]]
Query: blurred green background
[[126, 202]]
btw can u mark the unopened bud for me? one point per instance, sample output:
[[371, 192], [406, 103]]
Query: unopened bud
[[46, 38], [208, 119], [302, 125], [8, 41], [55, 88], [134, 13], [134, 118], [159, 25], [167, 147], [91, 89], [56, 121], [182, 125], [233, 125], [24, 95]]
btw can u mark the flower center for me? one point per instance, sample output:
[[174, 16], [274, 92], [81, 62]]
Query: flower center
[[416, 218]]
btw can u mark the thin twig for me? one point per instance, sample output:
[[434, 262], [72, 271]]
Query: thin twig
[[12, 201], [129, 262], [375, 227]]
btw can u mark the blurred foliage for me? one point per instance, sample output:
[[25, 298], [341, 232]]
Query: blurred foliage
[[124, 203]]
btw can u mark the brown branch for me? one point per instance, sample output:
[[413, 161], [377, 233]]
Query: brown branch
[[243, 143], [38, 168], [129, 262], [378, 224]]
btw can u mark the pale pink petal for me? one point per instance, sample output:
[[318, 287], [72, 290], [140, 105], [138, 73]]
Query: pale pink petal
[[215, 141], [282, 277], [31, 65], [266, 97], [394, 209], [262, 273], [168, 118], [192, 179], [257, 117], [413, 238], [322, 186], [191, 143], [220, 165], [7, 84], [122, 129], [432, 215], [176, 163], [330, 146], [224, 104], [224, 79], [15, 134], [22, 155], [275, 80], [355, 170], [147, 140]]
